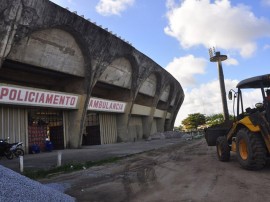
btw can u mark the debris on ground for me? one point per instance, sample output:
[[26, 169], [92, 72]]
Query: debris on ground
[[16, 187]]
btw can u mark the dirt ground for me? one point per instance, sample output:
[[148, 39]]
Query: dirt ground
[[185, 172]]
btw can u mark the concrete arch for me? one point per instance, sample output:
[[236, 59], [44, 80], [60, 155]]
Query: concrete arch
[[178, 102], [172, 94], [165, 93], [52, 49], [166, 96], [118, 73], [162, 112], [149, 86], [60, 50], [146, 102], [135, 71], [116, 82], [159, 84]]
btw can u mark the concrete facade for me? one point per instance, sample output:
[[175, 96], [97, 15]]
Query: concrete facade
[[45, 46]]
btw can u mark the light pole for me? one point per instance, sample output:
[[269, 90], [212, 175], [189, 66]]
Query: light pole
[[216, 57]]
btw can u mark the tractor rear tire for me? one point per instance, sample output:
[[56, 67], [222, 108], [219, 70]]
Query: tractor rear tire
[[223, 149], [250, 149]]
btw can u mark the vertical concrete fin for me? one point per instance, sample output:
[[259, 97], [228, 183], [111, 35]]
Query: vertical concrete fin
[[9, 30]]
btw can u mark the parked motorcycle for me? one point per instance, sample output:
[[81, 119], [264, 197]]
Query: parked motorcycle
[[10, 150], [5, 149], [16, 149]]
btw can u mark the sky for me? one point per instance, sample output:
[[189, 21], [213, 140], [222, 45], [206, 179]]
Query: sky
[[177, 35]]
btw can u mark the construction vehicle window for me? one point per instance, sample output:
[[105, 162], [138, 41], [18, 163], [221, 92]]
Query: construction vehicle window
[[251, 97]]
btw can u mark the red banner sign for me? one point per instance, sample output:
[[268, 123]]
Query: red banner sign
[[34, 97], [98, 104]]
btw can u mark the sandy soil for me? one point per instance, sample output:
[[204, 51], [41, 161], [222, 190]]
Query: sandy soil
[[185, 172]]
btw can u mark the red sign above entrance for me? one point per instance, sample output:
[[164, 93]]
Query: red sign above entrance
[[34, 97], [98, 104]]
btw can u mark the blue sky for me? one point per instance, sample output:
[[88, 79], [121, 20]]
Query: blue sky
[[177, 34]]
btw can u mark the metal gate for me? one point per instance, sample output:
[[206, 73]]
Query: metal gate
[[91, 135], [13, 124], [108, 128], [100, 129], [43, 123]]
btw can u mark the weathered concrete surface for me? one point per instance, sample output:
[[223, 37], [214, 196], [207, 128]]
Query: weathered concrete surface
[[187, 171], [52, 49], [62, 41]]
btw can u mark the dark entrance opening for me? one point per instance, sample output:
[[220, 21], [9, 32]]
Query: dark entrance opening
[[45, 123], [92, 130]]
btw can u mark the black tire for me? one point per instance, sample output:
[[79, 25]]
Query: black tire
[[223, 149], [18, 152], [9, 155], [250, 149]]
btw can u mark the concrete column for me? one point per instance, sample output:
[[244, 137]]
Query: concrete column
[[147, 126], [161, 124], [147, 123], [122, 121], [75, 118], [8, 29], [168, 124]]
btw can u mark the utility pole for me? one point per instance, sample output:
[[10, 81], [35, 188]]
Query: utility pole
[[216, 57]]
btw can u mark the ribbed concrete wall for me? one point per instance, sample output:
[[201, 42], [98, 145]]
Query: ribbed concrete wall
[[13, 123], [108, 129]]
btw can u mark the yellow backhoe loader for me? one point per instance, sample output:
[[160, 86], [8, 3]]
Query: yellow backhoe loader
[[249, 134]]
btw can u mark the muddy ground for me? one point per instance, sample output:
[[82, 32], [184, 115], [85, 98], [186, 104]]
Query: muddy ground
[[185, 172]]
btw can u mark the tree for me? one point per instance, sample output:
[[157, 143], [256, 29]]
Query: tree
[[216, 119], [194, 120], [178, 128]]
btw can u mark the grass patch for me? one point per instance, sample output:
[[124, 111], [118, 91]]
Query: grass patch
[[68, 168]]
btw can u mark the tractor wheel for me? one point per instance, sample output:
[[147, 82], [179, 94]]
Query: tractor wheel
[[223, 149], [250, 149]]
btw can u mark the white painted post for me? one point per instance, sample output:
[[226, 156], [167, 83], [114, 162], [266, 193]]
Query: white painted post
[[59, 158], [21, 163]]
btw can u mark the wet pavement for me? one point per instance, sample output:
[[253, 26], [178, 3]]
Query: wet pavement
[[47, 160]]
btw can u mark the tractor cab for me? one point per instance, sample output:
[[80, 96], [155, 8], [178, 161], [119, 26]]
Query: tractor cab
[[249, 134], [252, 95]]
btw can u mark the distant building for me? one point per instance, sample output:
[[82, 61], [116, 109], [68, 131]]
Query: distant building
[[64, 77]]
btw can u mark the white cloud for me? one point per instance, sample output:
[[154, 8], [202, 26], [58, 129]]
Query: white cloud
[[231, 61], [204, 23], [113, 7], [266, 2], [170, 4], [266, 47], [184, 69], [205, 99]]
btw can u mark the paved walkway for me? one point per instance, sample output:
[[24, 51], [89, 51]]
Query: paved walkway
[[47, 160]]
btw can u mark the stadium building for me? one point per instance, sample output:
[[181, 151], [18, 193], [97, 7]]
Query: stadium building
[[64, 77]]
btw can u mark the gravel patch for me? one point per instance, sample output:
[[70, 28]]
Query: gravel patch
[[16, 187]]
